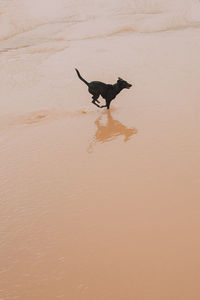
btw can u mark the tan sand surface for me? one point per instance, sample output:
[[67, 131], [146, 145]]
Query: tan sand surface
[[97, 204]]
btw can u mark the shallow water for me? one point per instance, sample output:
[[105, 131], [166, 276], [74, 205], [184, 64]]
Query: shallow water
[[99, 204]]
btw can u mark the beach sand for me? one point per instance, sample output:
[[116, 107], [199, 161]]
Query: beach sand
[[97, 204]]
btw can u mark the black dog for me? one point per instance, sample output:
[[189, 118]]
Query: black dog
[[107, 91]]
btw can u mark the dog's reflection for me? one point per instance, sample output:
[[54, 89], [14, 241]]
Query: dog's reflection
[[110, 130]]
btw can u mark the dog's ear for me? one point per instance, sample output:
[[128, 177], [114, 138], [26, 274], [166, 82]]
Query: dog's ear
[[119, 78]]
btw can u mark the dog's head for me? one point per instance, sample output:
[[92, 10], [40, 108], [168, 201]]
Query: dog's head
[[124, 84]]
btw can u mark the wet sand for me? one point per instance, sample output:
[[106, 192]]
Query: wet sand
[[99, 204]]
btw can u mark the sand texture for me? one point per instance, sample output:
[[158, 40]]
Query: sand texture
[[98, 204]]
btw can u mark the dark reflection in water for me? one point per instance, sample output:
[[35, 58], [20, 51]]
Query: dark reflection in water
[[110, 130]]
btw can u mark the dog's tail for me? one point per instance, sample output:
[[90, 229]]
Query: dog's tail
[[81, 78]]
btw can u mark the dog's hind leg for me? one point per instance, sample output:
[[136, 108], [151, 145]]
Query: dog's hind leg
[[95, 98], [96, 104]]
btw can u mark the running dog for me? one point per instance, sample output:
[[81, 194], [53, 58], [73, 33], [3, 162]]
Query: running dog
[[107, 91]]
